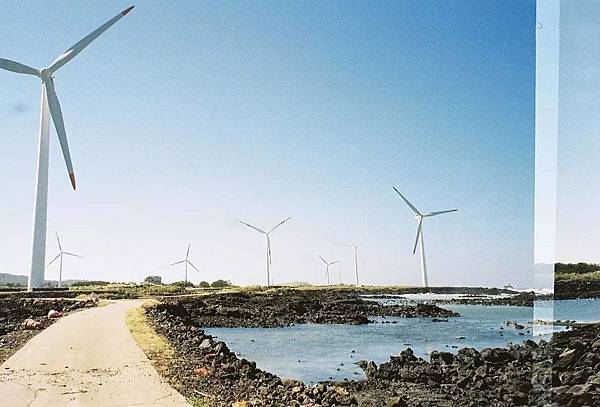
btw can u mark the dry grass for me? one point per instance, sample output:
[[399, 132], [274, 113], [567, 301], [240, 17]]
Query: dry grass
[[157, 348], [593, 276]]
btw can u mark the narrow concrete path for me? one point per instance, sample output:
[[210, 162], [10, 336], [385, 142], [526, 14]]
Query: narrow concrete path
[[88, 358]]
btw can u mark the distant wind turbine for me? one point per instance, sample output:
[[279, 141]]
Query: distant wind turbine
[[186, 261], [355, 248], [60, 255], [420, 216], [327, 264], [268, 236], [50, 107]]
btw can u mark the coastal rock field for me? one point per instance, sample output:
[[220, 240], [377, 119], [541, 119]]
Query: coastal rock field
[[562, 372], [22, 318], [288, 307]]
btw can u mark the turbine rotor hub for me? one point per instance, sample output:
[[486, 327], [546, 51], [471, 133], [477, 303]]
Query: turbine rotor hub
[[46, 75]]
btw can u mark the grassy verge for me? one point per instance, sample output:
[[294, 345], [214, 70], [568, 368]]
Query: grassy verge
[[593, 276], [158, 349]]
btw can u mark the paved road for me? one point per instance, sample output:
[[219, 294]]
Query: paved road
[[88, 358]]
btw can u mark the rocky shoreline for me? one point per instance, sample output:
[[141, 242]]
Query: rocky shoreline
[[23, 318], [563, 372], [289, 307], [576, 289], [526, 299]]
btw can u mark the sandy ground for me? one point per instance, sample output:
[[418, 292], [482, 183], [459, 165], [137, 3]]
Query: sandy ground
[[88, 358]]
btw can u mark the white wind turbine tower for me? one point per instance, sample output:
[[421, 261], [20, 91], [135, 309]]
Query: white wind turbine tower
[[268, 237], [50, 107], [186, 261], [420, 216], [355, 248], [327, 264], [60, 255]]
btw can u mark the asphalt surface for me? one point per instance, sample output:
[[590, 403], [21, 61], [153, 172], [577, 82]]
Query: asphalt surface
[[88, 358]]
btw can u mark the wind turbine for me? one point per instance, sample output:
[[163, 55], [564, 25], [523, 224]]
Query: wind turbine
[[50, 107], [186, 261], [354, 248], [327, 264], [268, 236], [60, 255], [420, 216]]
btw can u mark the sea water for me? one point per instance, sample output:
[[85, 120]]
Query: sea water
[[313, 352]]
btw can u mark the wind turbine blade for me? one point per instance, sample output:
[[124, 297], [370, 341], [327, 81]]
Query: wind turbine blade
[[333, 262], [345, 245], [415, 210], [418, 235], [279, 224], [57, 117], [439, 213], [16, 67], [177, 262], [57, 256], [254, 227], [87, 40], [58, 240], [72, 254], [188, 251], [269, 248], [319, 256], [362, 239], [195, 268]]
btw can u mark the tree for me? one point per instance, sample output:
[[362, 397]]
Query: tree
[[204, 284], [220, 284], [153, 280]]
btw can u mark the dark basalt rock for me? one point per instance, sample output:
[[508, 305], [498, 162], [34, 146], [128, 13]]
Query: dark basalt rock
[[288, 307], [562, 372], [576, 289], [15, 311], [209, 367]]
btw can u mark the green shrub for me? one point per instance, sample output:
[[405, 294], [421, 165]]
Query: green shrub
[[90, 283], [153, 280], [221, 283], [183, 284]]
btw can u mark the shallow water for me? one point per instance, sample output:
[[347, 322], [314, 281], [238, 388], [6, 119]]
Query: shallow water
[[313, 353], [578, 310]]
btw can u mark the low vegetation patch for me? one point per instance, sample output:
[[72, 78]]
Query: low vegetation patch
[[157, 348], [575, 268], [592, 276]]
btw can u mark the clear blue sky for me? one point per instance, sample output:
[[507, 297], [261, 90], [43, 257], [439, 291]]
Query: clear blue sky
[[188, 116]]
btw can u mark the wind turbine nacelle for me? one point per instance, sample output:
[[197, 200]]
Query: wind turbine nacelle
[[45, 75]]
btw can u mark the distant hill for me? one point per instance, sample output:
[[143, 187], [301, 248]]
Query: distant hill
[[14, 279], [6, 278]]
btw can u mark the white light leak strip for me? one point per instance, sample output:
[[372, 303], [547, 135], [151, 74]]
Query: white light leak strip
[[546, 156]]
